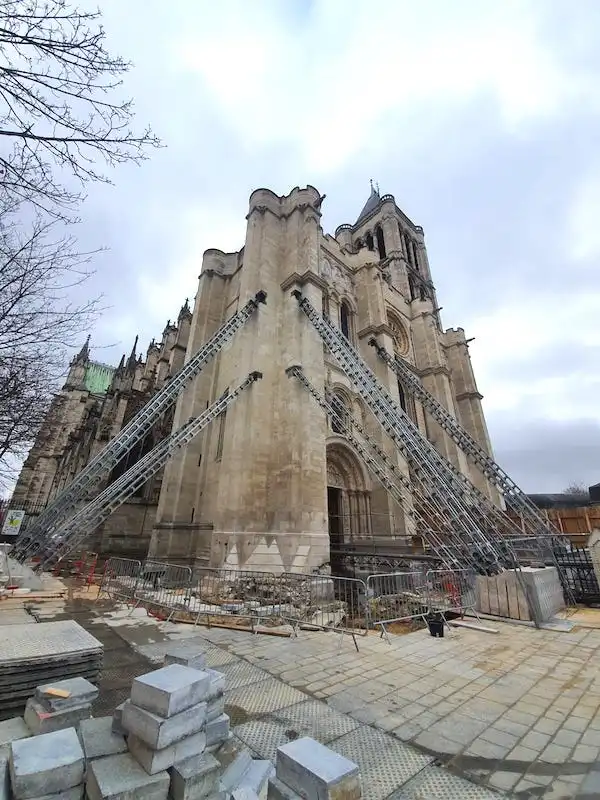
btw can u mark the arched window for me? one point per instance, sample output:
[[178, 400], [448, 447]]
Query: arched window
[[339, 423], [369, 241], [345, 319], [409, 251], [325, 305], [402, 395], [380, 241]]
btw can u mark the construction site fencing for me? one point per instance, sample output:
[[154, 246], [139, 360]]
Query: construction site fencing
[[120, 579], [325, 602], [396, 597], [451, 591], [163, 587]]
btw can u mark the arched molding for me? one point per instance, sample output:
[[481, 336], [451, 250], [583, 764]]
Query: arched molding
[[347, 465]]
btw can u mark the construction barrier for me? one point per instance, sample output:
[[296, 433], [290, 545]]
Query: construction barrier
[[451, 591], [120, 579], [163, 588], [396, 597], [324, 602]]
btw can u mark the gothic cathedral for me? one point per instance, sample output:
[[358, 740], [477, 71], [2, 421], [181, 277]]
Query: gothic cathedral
[[271, 484]]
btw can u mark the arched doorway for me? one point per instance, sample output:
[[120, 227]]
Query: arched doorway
[[348, 501]]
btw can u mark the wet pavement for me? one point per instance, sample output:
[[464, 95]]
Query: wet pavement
[[472, 715]]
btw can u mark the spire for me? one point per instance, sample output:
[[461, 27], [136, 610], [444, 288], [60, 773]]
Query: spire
[[84, 353], [132, 359], [371, 203], [121, 366], [185, 310]]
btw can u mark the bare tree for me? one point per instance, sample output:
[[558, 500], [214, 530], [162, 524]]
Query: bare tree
[[578, 490], [63, 124], [39, 322], [60, 104]]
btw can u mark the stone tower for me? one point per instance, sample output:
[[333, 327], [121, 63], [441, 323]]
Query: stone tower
[[270, 485]]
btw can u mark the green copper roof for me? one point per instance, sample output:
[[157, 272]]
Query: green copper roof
[[98, 377]]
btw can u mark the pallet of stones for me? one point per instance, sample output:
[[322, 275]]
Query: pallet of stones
[[38, 654]]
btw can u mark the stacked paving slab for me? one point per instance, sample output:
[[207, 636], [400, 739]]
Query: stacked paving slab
[[32, 655]]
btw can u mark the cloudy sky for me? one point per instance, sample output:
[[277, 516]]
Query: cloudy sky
[[482, 118]]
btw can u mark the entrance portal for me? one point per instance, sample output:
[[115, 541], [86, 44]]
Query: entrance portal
[[348, 505]]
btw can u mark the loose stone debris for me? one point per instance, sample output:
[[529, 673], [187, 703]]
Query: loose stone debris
[[170, 739]]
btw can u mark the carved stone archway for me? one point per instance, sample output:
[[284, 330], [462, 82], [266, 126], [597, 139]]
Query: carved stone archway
[[348, 497]]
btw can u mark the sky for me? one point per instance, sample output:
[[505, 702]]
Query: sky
[[481, 118]]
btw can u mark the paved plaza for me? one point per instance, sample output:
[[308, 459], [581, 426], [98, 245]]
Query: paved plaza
[[517, 712]]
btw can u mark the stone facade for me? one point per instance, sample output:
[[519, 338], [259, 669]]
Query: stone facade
[[269, 484], [94, 404]]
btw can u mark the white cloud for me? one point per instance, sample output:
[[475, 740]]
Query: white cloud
[[198, 229], [582, 240], [521, 331], [328, 87]]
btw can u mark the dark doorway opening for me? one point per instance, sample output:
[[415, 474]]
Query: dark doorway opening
[[336, 528]]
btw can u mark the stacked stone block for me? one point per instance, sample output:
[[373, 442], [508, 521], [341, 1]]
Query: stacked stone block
[[306, 769], [51, 765], [45, 713]]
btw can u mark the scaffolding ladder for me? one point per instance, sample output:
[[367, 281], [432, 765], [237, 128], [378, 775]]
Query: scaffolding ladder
[[67, 502], [474, 517], [514, 496], [74, 532]]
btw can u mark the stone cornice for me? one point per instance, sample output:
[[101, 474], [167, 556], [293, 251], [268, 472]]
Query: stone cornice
[[469, 396], [438, 370], [307, 277], [262, 209]]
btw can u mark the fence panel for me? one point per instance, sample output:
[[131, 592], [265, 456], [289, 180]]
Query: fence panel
[[120, 579], [451, 590], [163, 586], [395, 597], [323, 602]]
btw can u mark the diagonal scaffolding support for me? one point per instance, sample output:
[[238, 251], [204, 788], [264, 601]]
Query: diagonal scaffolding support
[[81, 526], [86, 481]]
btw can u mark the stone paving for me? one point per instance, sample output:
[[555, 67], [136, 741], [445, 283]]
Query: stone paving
[[517, 712]]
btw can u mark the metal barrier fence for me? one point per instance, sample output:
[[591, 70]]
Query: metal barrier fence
[[396, 597], [451, 591], [120, 579], [305, 601], [324, 602], [163, 586]]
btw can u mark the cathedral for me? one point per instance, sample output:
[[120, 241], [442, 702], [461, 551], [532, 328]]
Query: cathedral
[[271, 483]]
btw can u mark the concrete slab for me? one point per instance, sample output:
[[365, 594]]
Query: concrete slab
[[158, 732], [217, 684], [236, 769], [217, 730], [311, 769], [76, 793], [11, 730], [122, 778], [4, 778], [279, 791], [215, 708], [189, 653], [98, 739], [117, 726], [81, 692], [46, 764], [169, 690], [39, 721], [195, 778], [154, 761]]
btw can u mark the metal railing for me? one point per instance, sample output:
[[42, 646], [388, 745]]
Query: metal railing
[[120, 579], [163, 587], [396, 597]]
